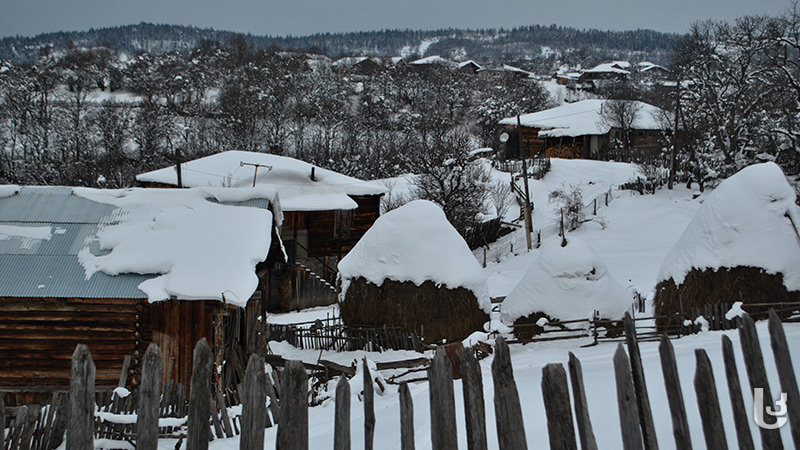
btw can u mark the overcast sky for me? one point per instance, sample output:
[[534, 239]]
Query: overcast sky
[[301, 17]]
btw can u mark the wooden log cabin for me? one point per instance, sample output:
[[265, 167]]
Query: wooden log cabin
[[325, 214], [584, 129], [50, 300]]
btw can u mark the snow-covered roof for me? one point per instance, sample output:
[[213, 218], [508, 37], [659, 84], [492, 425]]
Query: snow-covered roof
[[751, 219], [290, 177], [435, 59], [619, 67], [583, 118], [469, 63], [415, 243], [566, 283], [135, 243], [644, 66]]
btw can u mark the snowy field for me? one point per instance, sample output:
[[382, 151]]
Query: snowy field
[[636, 235]]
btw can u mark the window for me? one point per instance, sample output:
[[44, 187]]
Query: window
[[345, 220]]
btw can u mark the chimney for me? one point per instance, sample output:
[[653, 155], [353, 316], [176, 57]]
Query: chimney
[[312, 174]]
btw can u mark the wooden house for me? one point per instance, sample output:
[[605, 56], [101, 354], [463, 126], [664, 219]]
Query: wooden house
[[584, 129], [616, 70], [325, 213], [117, 270]]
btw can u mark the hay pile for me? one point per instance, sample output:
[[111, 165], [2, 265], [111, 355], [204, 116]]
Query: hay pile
[[742, 245], [567, 281], [412, 269]]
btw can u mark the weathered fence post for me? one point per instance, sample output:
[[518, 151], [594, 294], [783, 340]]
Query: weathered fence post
[[757, 375], [672, 382], [341, 430], [783, 361], [626, 402], [406, 418], [585, 432], [639, 384], [149, 399], [200, 397], [81, 400], [442, 398], [3, 421], [474, 407], [369, 408], [740, 420], [254, 405], [508, 412], [708, 402], [293, 424], [555, 393]]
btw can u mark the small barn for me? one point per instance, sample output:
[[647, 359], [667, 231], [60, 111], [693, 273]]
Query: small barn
[[325, 214], [566, 281], [584, 129], [414, 271], [742, 245], [119, 269]]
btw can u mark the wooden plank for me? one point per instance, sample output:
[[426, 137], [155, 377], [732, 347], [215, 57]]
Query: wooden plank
[[708, 402], [508, 412], [442, 402], [406, 418], [584, 422], [672, 383], [224, 418], [369, 407], [81, 401], [783, 362], [757, 376], [341, 431], [293, 424], [555, 393], [626, 402], [474, 408], [254, 405], [642, 398], [197, 435], [148, 399], [740, 420]]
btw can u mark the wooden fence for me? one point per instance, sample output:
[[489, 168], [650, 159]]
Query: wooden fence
[[286, 402]]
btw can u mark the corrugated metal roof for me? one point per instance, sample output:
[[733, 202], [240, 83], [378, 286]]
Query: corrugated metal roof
[[39, 204], [62, 276]]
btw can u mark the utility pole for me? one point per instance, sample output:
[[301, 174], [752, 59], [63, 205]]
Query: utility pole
[[178, 166], [528, 219], [674, 152], [255, 173]]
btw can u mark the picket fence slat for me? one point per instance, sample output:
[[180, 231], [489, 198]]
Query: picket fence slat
[[783, 361], [508, 412], [555, 393], [369, 407], [672, 383], [585, 432], [442, 402], [640, 386], [406, 418], [341, 431], [198, 434], [474, 406], [740, 420], [149, 393], [626, 401]]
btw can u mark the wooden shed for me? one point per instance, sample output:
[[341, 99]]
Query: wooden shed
[[50, 301], [325, 214]]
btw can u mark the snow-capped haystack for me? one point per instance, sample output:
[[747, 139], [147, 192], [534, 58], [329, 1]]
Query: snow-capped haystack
[[413, 270], [565, 282], [742, 245]]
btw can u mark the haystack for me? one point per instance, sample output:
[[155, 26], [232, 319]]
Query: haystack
[[413, 270], [742, 245], [567, 281]]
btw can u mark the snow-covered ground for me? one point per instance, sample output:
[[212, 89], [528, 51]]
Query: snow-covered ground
[[637, 233]]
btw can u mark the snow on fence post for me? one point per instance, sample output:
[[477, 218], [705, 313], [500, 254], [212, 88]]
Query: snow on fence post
[[626, 401], [442, 398], [406, 418], [341, 430], [81, 400], [639, 384], [585, 432], [783, 361], [149, 399], [474, 407], [508, 412], [740, 420], [254, 405], [757, 375], [293, 423], [672, 383], [555, 393], [708, 403], [197, 435], [369, 408]]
